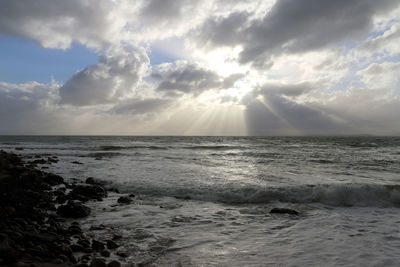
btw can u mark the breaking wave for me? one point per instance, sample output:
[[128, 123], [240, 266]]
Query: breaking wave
[[328, 194]]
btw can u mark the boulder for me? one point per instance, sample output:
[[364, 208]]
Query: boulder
[[98, 245], [90, 180], [98, 263], [73, 210], [105, 253], [114, 264], [111, 244], [53, 179], [86, 192]]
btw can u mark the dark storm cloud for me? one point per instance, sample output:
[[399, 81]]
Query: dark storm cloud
[[188, 78], [294, 26], [56, 23]]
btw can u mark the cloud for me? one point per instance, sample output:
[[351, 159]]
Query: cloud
[[32, 108], [116, 75], [190, 78], [25, 106], [308, 67], [140, 106], [292, 90], [58, 23], [381, 47], [302, 109], [293, 26], [272, 109], [384, 75]]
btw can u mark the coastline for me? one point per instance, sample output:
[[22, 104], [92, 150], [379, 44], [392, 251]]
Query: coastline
[[39, 218]]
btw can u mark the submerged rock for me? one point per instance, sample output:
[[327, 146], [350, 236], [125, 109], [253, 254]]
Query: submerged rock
[[284, 211], [124, 200]]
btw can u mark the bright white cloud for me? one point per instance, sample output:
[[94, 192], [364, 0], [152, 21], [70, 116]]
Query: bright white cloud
[[115, 76]]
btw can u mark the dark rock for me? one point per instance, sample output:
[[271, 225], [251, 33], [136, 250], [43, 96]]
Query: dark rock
[[81, 265], [84, 243], [39, 161], [84, 192], [122, 254], [76, 247], [98, 263], [59, 192], [42, 237], [111, 244], [105, 253], [73, 210], [74, 230], [98, 245], [90, 180], [53, 179], [61, 199], [116, 236], [114, 264], [52, 160], [132, 195], [73, 259], [284, 211], [87, 250], [97, 227], [124, 200], [76, 162]]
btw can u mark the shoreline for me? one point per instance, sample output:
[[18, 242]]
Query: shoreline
[[39, 218]]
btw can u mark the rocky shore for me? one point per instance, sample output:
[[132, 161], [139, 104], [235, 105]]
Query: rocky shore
[[38, 213]]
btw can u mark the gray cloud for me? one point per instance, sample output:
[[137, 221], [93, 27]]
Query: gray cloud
[[57, 23], [24, 107], [164, 10], [222, 31], [277, 113], [294, 26], [291, 90], [190, 78], [139, 106], [116, 75]]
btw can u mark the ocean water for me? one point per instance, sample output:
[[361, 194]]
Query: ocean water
[[205, 201]]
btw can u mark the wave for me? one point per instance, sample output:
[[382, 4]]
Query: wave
[[103, 154], [114, 148], [344, 195], [213, 147], [161, 147]]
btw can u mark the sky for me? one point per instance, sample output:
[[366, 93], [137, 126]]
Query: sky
[[207, 67]]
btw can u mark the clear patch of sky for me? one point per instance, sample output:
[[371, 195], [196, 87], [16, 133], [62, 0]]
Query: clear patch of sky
[[167, 50], [25, 60], [158, 57]]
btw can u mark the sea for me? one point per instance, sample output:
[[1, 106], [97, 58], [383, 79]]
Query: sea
[[206, 201]]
